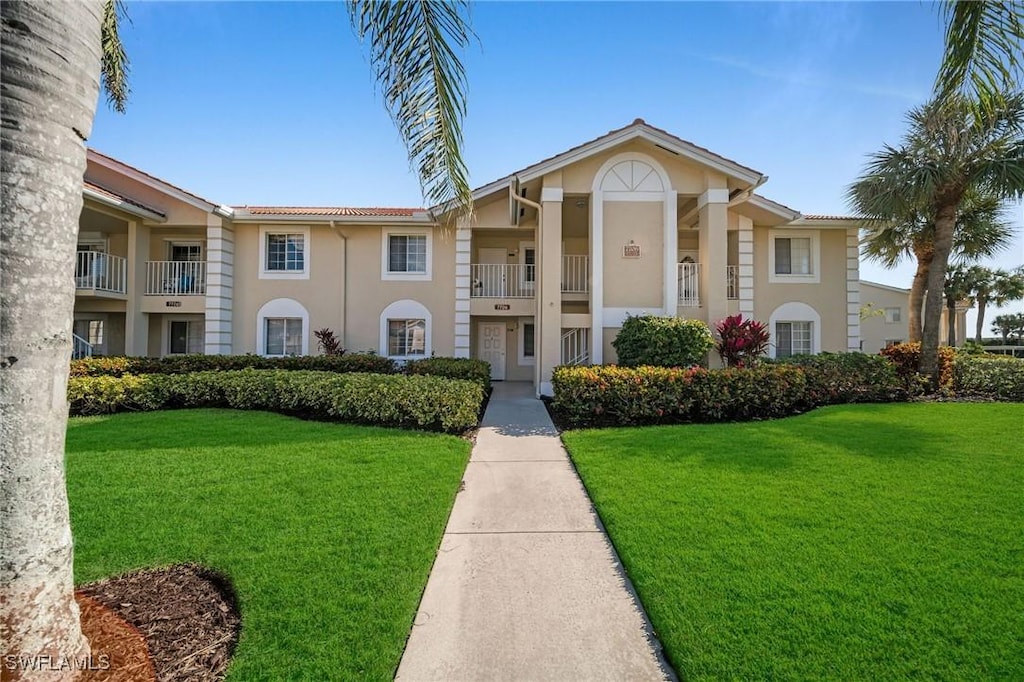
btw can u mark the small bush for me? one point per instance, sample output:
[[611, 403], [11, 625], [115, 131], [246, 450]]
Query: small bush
[[425, 402], [741, 342], [327, 342], [183, 364], [907, 357], [662, 342], [839, 378], [988, 376], [453, 368]]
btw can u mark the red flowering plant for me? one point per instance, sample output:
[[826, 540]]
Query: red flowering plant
[[741, 342]]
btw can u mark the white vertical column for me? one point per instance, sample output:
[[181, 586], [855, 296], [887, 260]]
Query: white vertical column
[[746, 267], [463, 242], [852, 290], [671, 240], [713, 211], [597, 277], [220, 276], [136, 322]]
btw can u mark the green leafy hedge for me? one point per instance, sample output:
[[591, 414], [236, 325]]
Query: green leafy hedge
[[610, 395], [453, 368], [662, 342], [183, 364], [989, 376], [425, 402], [907, 358]]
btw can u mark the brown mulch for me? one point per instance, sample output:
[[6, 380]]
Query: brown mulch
[[186, 614]]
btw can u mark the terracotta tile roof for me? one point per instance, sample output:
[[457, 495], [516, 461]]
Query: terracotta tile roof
[[152, 177], [349, 211], [813, 216], [120, 197]]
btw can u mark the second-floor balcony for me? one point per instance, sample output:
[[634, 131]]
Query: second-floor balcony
[[689, 284], [512, 280], [97, 272], [732, 276], [175, 278]]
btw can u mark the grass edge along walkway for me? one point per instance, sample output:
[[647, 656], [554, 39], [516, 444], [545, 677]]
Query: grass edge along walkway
[[327, 531], [852, 542]]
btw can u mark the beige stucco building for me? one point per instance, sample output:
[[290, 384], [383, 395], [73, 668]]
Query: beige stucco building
[[553, 259], [884, 320]]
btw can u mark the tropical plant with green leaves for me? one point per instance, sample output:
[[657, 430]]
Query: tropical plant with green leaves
[[983, 50], [1009, 326], [982, 230], [950, 150], [992, 286], [54, 57]]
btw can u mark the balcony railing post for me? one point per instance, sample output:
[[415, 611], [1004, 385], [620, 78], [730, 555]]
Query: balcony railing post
[[175, 278]]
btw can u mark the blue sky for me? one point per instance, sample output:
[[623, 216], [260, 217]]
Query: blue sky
[[274, 103]]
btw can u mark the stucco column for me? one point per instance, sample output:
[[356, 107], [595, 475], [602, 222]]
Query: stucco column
[[463, 244], [136, 322], [220, 260], [549, 286], [714, 253], [746, 267], [852, 290]]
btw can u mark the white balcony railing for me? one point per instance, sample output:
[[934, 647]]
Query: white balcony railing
[[732, 278], [96, 271], [80, 348], [175, 278], [576, 346], [689, 285], [575, 276], [502, 281]]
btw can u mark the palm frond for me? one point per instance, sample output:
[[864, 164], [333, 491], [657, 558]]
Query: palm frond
[[983, 49], [412, 51], [114, 64]]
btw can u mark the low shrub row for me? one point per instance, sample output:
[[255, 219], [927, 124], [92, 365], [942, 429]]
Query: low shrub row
[[989, 376], [453, 368], [424, 402], [610, 395], [907, 357]]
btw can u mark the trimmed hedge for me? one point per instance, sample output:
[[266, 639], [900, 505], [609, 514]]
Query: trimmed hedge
[[989, 376], [425, 402], [183, 364], [839, 378], [907, 358], [610, 395], [453, 368], [662, 342]]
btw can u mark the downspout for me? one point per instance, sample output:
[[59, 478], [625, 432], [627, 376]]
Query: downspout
[[344, 282]]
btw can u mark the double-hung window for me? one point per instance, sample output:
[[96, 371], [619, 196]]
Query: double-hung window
[[793, 338], [407, 337], [892, 315], [284, 253], [407, 253], [794, 257], [282, 336]]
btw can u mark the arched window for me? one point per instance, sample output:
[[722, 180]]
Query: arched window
[[796, 330], [282, 328], [405, 330]]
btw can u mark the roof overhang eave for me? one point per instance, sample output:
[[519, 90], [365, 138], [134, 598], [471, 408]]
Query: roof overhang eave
[[125, 206]]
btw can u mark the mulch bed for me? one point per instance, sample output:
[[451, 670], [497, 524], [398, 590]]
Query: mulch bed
[[182, 621]]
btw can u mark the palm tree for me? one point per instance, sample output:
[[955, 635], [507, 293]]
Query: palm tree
[[1010, 324], [53, 58], [951, 149], [982, 57], [998, 287], [981, 231]]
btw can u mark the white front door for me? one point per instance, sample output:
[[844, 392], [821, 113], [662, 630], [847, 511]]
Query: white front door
[[492, 348]]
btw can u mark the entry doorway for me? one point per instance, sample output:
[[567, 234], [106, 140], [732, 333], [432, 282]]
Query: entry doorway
[[491, 347]]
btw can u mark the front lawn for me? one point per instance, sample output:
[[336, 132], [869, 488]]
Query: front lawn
[[327, 531], [854, 542]]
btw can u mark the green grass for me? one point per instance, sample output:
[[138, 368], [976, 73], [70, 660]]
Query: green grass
[[327, 531], [867, 542]]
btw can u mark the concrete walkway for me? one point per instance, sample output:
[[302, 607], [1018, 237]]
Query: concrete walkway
[[526, 585]]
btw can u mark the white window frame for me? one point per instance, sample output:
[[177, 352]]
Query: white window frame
[[182, 318], [523, 358], [890, 318], [406, 309], [280, 307], [385, 261], [815, 275], [810, 351], [795, 311], [524, 283], [307, 252], [172, 242]]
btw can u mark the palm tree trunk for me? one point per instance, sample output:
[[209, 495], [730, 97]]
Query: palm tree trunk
[[951, 321], [50, 72], [942, 245], [979, 327], [917, 291]]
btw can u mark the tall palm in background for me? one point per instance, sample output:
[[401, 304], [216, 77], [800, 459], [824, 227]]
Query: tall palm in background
[[992, 286], [982, 230], [54, 56], [950, 150]]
